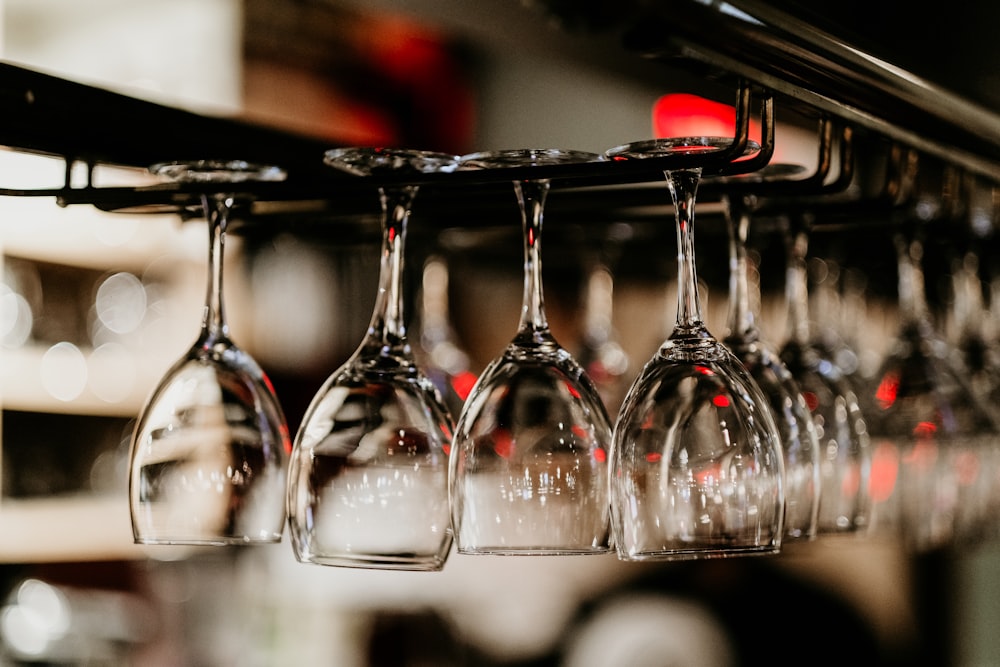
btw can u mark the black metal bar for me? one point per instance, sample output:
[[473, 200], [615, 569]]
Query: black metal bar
[[751, 39]]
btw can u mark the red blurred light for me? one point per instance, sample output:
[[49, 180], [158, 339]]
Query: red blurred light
[[600, 455], [925, 429], [922, 456], [812, 400], [885, 470], [721, 401], [653, 457], [708, 476], [579, 431], [503, 444], [887, 390], [851, 482], [572, 390], [704, 370], [686, 115], [463, 384]]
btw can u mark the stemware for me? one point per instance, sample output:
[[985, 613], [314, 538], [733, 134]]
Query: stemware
[[845, 452], [930, 426], [696, 461], [367, 483], [528, 469], [208, 454], [601, 354], [439, 354], [795, 425]]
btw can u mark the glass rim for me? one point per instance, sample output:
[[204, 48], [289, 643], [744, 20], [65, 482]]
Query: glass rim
[[369, 160]]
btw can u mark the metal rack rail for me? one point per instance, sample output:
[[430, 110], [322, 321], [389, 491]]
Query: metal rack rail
[[766, 54]]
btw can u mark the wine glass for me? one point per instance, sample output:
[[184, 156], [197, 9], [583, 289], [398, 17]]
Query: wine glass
[[601, 354], [696, 462], [845, 447], [795, 425], [439, 354], [367, 482], [930, 425], [528, 469], [209, 449]]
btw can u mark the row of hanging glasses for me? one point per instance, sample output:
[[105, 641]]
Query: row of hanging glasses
[[721, 447]]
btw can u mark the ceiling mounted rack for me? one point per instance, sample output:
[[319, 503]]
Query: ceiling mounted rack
[[762, 43], [767, 56], [117, 130]]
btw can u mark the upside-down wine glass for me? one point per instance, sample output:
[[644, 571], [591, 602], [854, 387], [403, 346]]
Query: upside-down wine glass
[[926, 415], [601, 354], [845, 451], [799, 441], [440, 354], [528, 469], [696, 466], [208, 455], [367, 483]]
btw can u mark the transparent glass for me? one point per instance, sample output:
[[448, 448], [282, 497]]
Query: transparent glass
[[367, 483], [931, 429], [845, 446], [209, 450], [528, 470], [696, 462], [605, 359], [800, 445], [440, 354]]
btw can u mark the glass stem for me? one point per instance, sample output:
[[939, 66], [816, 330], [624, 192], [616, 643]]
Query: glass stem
[[683, 189], [387, 328], [598, 309], [531, 197], [217, 209], [741, 322], [912, 298], [797, 289]]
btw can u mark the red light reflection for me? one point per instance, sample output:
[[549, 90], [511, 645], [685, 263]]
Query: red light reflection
[[686, 115], [503, 444], [885, 470], [887, 390], [463, 383]]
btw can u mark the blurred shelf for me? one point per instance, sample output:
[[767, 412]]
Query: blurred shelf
[[70, 528], [84, 237], [80, 381]]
